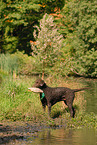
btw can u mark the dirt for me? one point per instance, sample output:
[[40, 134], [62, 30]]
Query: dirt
[[18, 130]]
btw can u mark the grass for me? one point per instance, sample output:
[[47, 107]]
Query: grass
[[19, 104]]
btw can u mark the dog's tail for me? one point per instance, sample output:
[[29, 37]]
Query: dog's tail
[[81, 89]]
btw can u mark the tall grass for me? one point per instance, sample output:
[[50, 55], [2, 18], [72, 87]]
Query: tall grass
[[17, 63], [17, 103], [9, 63]]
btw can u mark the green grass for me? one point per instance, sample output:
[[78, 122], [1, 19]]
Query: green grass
[[19, 104], [16, 102]]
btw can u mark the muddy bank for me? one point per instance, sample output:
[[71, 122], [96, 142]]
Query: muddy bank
[[18, 131], [21, 130]]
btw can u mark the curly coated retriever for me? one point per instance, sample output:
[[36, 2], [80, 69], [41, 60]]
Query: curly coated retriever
[[51, 96]]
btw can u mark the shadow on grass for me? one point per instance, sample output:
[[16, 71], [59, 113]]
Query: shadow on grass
[[57, 114]]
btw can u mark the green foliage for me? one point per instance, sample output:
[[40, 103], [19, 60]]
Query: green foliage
[[8, 64], [79, 23], [86, 65], [46, 48], [85, 23], [17, 19], [17, 63]]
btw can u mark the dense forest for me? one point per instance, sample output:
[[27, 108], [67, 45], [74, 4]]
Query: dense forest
[[49, 36]]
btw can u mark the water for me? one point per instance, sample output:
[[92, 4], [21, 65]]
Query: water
[[65, 137], [60, 137], [90, 95]]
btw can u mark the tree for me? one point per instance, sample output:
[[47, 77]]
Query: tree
[[79, 24], [17, 19], [48, 44]]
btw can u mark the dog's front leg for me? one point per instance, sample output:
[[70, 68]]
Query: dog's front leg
[[44, 106]]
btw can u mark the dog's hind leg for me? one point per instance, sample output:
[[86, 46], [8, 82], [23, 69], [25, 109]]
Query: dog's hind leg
[[71, 109]]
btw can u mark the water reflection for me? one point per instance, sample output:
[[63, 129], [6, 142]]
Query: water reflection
[[90, 95], [68, 137]]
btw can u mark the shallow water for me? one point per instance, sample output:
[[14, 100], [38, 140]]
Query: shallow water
[[68, 137], [90, 95], [61, 137]]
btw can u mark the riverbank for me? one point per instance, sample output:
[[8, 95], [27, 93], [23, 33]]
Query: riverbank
[[18, 131]]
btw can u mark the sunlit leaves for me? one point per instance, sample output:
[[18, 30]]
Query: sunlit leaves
[[48, 43]]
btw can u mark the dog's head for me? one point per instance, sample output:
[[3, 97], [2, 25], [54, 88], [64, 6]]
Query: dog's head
[[40, 84]]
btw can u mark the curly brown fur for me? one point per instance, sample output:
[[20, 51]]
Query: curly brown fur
[[54, 95]]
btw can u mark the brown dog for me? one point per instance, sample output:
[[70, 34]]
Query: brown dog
[[50, 96]]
